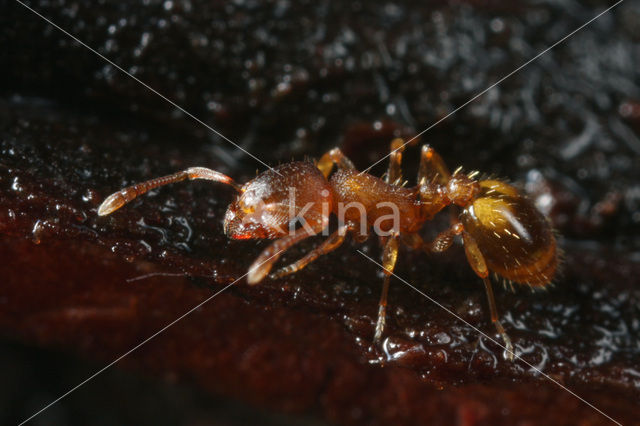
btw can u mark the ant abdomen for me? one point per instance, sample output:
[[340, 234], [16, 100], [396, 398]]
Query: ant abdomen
[[515, 239]]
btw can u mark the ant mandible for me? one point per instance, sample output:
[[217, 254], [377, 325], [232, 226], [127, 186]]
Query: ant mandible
[[501, 229]]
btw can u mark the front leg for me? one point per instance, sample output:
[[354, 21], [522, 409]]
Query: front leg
[[334, 241], [263, 264]]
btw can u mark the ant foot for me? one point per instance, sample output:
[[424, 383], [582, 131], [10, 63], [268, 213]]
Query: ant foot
[[380, 324], [508, 353]]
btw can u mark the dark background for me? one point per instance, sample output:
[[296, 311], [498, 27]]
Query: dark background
[[291, 80]]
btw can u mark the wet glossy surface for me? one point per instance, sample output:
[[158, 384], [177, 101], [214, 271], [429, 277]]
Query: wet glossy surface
[[73, 131]]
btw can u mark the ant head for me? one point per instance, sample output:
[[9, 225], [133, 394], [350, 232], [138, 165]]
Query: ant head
[[269, 204], [461, 189], [259, 212]]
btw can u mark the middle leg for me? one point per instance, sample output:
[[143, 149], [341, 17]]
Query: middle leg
[[331, 158]]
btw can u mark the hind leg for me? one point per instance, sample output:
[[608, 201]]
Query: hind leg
[[389, 257], [442, 242], [478, 264]]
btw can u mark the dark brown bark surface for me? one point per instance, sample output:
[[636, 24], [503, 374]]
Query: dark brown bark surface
[[289, 80]]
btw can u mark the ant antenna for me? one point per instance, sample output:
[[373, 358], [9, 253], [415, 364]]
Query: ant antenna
[[118, 199]]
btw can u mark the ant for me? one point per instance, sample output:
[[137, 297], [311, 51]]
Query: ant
[[502, 231]]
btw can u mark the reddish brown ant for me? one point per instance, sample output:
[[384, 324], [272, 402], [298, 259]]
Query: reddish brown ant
[[501, 229]]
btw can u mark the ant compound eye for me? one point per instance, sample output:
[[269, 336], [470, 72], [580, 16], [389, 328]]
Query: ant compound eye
[[248, 209]]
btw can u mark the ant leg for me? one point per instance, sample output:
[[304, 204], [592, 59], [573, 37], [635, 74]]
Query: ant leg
[[433, 172], [508, 347], [432, 167], [394, 174], [441, 243], [118, 199], [389, 257], [263, 264], [334, 241], [335, 156], [478, 264]]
